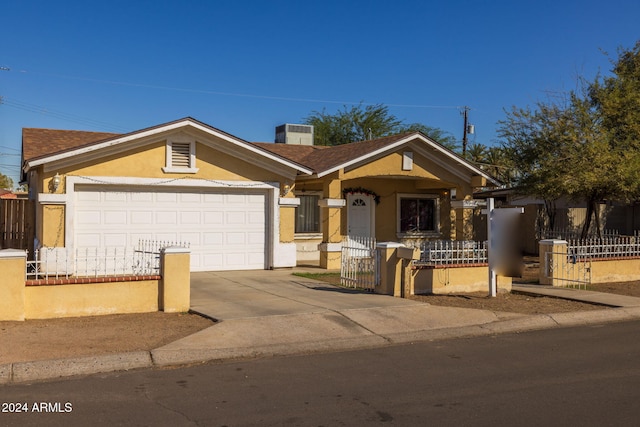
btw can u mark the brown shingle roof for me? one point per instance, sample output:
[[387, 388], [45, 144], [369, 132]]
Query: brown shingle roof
[[324, 158], [43, 142]]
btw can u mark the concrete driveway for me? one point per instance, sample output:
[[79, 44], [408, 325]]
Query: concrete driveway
[[229, 295]]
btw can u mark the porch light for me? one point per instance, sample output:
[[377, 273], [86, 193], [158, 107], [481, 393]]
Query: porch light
[[56, 182], [286, 190]]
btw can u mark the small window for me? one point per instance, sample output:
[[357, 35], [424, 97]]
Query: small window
[[417, 214], [181, 157], [308, 214]]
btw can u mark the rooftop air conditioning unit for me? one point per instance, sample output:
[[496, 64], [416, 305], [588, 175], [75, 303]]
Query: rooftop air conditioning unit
[[294, 134]]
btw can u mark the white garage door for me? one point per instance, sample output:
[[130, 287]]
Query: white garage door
[[226, 229]]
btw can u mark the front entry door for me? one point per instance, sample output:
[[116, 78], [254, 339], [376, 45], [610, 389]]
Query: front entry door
[[360, 215]]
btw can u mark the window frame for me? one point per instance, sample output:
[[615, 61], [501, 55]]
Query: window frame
[[436, 215], [317, 195], [169, 167]]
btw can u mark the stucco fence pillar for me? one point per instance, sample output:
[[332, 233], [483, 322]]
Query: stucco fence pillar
[[175, 292], [12, 291], [553, 257]]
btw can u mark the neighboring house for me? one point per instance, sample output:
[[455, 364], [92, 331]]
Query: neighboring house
[[243, 205], [7, 194]]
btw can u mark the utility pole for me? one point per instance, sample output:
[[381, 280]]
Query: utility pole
[[465, 115]]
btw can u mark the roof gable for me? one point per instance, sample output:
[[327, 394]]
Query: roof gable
[[64, 146], [330, 159]]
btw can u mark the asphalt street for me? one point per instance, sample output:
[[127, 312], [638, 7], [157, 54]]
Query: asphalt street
[[584, 376]]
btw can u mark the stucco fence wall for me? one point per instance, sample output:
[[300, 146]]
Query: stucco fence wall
[[75, 297], [555, 267], [400, 277]]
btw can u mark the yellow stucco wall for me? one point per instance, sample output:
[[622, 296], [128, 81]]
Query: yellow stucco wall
[[615, 270], [176, 281], [53, 217], [386, 214], [147, 162], [456, 280], [287, 224], [46, 302], [12, 296]]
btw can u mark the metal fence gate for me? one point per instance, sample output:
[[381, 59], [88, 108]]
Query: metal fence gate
[[359, 267], [567, 270]]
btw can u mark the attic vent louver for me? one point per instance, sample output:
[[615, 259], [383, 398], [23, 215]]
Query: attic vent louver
[[181, 155]]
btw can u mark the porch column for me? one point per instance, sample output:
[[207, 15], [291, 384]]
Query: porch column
[[462, 211], [331, 204]]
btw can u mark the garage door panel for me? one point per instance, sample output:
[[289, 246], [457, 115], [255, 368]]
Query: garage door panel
[[190, 198], [115, 217], [190, 218], [170, 218], [214, 218], [115, 240], [236, 217], [141, 217], [226, 229], [213, 238], [140, 196]]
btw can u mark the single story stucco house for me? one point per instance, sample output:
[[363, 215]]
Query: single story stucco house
[[243, 205]]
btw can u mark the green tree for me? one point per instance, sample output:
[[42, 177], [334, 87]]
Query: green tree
[[563, 149], [361, 123], [476, 153], [441, 136], [6, 182]]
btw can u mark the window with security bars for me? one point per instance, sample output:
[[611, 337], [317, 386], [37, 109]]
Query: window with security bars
[[417, 215]]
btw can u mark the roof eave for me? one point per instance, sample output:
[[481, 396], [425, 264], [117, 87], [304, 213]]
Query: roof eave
[[187, 122]]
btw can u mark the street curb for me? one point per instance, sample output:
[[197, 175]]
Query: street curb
[[23, 372]]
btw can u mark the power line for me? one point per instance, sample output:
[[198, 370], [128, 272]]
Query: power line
[[243, 95], [33, 108]]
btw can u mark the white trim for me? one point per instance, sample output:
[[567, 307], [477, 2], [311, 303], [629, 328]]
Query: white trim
[[289, 201], [330, 247], [176, 250], [272, 219], [407, 160], [332, 203], [467, 204], [389, 245], [184, 123], [180, 139], [13, 253], [52, 199]]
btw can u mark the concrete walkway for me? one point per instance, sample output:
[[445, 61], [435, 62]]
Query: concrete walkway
[[265, 313]]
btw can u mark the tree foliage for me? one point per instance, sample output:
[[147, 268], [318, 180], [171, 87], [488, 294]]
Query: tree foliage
[[585, 146], [5, 182], [361, 123]]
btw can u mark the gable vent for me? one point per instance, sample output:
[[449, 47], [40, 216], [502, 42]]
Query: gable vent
[[181, 154]]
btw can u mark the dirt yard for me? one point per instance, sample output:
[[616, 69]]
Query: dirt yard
[[87, 336]]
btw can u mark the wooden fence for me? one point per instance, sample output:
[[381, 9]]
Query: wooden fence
[[17, 224]]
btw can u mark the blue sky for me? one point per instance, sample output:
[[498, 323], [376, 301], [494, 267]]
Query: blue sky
[[248, 66]]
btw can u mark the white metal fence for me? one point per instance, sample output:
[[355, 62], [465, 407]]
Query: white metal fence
[[359, 267], [60, 263], [443, 252], [606, 247], [571, 233]]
